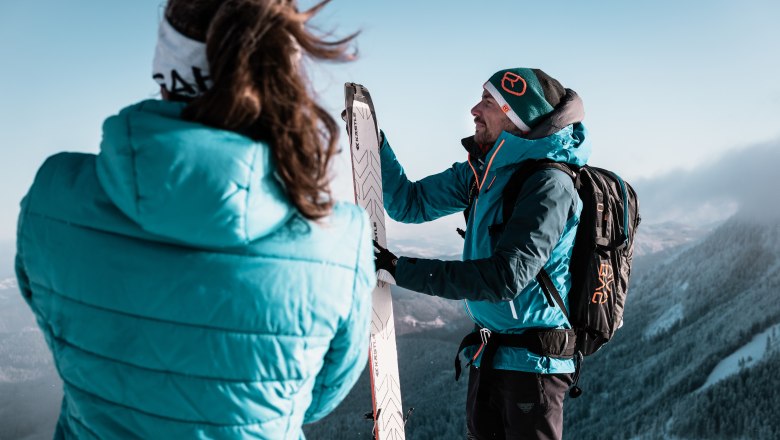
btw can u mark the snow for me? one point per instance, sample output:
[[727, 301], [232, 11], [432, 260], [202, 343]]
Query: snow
[[667, 320], [6, 288], [8, 283], [653, 238], [745, 357], [436, 323]]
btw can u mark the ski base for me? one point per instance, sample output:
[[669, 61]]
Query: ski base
[[367, 174]]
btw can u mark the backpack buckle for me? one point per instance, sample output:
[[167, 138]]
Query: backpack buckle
[[484, 334]]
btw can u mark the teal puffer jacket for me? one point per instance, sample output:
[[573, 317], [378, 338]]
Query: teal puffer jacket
[[180, 293], [497, 275]]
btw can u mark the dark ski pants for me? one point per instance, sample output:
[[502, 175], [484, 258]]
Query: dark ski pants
[[513, 405]]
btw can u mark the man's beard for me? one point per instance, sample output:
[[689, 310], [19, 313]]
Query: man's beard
[[487, 138], [484, 138]]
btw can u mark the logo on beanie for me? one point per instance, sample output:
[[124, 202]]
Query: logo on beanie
[[510, 84]]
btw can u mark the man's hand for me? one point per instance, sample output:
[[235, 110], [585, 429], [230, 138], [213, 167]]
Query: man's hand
[[384, 259]]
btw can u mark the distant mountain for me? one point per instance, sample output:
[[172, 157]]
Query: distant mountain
[[7, 287], [659, 237], [684, 320], [656, 243], [30, 390], [416, 313], [7, 254]]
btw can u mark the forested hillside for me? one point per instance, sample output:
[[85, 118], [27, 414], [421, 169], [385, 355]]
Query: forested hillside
[[684, 316], [428, 385]]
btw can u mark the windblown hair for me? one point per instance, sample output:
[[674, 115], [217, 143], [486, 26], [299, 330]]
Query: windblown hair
[[260, 90]]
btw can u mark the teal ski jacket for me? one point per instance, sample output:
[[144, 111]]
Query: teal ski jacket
[[497, 275], [180, 293]]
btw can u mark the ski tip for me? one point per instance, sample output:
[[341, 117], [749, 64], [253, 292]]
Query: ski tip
[[354, 88], [357, 91]]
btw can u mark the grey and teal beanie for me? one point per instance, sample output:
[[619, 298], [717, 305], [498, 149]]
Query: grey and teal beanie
[[525, 95]]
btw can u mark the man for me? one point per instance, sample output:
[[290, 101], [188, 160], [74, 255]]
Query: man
[[515, 390]]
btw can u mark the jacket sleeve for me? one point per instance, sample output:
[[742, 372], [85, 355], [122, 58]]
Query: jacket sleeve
[[425, 200], [348, 353], [537, 224]]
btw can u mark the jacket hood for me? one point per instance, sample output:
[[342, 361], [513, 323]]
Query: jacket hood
[[187, 181], [568, 145], [569, 111]]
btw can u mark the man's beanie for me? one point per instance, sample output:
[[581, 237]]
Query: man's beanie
[[525, 95]]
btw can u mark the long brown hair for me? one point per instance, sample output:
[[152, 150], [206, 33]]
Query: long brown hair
[[259, 88]]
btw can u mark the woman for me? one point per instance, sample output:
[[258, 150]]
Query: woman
[[195, 279]]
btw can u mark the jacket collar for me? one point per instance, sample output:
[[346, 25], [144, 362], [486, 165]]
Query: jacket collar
[[474, 149]]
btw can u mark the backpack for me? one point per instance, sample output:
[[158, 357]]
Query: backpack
[[600, 265]]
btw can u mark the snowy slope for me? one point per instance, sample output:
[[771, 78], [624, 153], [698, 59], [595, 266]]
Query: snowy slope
[[746, 356], [8, 283], [665, 322], [654, 238], [7, 288]]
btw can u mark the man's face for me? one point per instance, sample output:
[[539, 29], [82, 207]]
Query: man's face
[[489, 120]]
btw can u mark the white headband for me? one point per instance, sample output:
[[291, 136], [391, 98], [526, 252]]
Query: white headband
[[180, 64]]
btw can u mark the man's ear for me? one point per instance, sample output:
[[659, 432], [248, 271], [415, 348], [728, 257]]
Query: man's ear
[[511, 128]]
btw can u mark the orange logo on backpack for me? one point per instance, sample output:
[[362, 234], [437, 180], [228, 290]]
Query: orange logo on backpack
[[509, 84], [606, 279]]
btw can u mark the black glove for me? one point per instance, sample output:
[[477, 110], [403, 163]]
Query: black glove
[[384, 259]]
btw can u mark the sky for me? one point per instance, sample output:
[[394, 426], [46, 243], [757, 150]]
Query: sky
[[742, 181], [669, 87]]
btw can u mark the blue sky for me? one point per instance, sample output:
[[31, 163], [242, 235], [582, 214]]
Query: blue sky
[[666, 84]]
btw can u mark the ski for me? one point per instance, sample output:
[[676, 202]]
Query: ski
[[367, 176]]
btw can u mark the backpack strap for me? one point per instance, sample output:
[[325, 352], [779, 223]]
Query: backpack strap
[[512, 189], [519, 177], [510, 194]]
